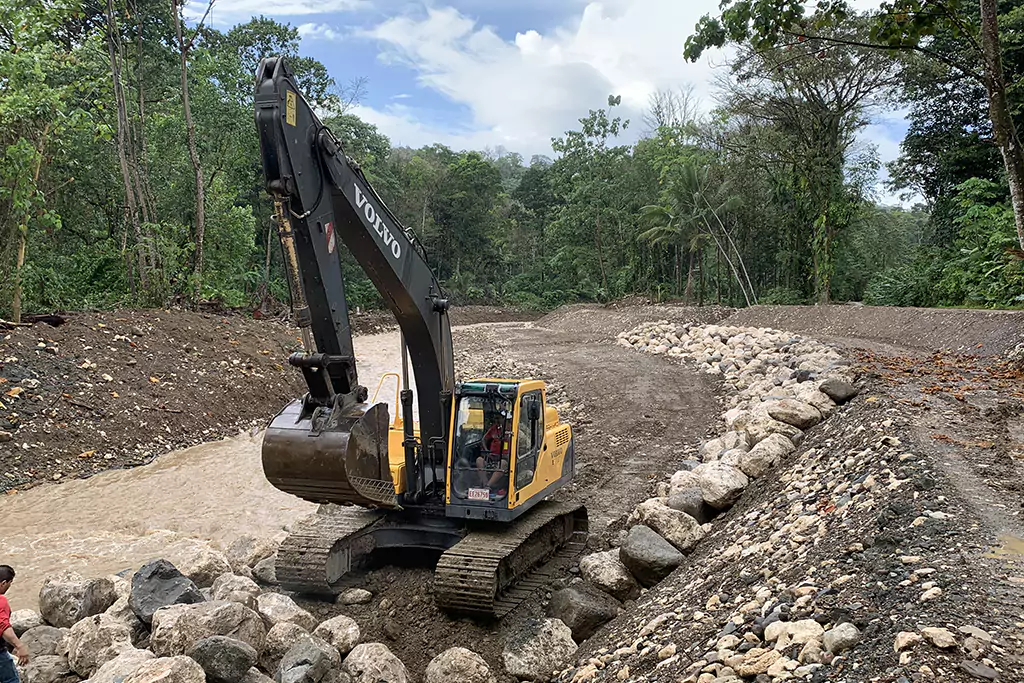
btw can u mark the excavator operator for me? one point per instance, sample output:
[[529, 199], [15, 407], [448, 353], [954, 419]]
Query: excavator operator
[[492, 464]]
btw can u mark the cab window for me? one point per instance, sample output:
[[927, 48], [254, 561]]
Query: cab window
[[531, 436]]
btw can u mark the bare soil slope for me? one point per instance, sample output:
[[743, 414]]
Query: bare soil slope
[[979, 332]]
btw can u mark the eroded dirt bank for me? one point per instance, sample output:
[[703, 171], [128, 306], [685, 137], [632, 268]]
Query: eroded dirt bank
[[116, 389]]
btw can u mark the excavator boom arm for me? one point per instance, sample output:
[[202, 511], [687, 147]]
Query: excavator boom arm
[[323, 197]]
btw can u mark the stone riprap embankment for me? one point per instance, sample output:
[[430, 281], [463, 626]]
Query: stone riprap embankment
[[209, 622], [781, 385], [834, 566]]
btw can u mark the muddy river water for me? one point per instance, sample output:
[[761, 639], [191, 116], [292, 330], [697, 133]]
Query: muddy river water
[[205, 495]]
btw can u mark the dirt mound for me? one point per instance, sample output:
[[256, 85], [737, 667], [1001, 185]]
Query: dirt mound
[[116, 389], [979, 332]]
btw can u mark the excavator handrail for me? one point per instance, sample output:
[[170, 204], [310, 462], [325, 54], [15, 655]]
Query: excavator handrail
[[398, 389]]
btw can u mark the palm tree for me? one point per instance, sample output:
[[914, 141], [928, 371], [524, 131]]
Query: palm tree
[[691, 217]]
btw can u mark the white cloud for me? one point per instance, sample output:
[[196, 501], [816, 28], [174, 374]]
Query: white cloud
[[522, 92], [227, 11], [314, 31]]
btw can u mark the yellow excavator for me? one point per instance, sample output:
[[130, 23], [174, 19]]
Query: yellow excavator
[[471, 479]]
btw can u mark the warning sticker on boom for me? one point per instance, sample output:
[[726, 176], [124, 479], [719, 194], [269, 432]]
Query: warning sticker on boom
[[330, 237], [289, 112]]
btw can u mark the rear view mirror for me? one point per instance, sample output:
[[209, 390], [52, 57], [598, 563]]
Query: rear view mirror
[[533, 410]]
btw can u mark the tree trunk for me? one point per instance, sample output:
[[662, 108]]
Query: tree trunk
[[193, 153], [600, 254], [688, 293], [23, 234], [122, 134], [700, 277], [999, 111], [18, 265]]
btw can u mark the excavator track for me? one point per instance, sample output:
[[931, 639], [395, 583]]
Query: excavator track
[[316, 555], [489, 573]]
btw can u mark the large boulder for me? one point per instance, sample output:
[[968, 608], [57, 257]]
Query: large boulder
[[94, 641], [721, 484], [735, 440], [676, 527], [178, 669], [204, 566], [538, 650], [265, 571], [24, 619], [342, 632], [458, 665], [808, 393], [236, 589], [765, 456], [68, 598], [44, 641], [648, 556], [280, 639], [355, 596], [276, 608], [682, 480], [838, 390], [158, 584], [760, 424], [177, 628], [246, 551], [224, 659], [254, 675], [374, 663], [307, 661], [49, 669], [121, 666], [122, 612], [606, 571], [797, 413], [691, 501], [583, 608]]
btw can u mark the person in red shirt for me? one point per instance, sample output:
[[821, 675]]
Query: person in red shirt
[[496, 460], [8, 672]]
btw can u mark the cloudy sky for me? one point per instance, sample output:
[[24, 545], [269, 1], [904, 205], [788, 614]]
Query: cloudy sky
[[482, 73]]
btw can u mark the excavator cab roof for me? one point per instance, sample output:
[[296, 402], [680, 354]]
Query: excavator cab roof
[[489, 385]]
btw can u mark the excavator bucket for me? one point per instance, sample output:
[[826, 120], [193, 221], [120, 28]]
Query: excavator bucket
[[340, 459]]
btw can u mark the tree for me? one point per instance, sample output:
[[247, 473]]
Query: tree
[[674, 108], [40, 109], [193, 151], [898, 25]]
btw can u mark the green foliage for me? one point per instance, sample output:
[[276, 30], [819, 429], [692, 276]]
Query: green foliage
[[909, 284], [782, 296], [766, 198]]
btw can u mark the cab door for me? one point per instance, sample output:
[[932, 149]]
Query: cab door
[[528, 443]]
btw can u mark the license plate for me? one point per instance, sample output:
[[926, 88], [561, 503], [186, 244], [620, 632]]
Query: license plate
[[479, 494]]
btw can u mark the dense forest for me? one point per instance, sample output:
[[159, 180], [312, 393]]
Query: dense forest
[[131, 173]]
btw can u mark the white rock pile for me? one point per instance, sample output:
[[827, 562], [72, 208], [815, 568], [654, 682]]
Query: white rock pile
[[206, 623], [782, 385]]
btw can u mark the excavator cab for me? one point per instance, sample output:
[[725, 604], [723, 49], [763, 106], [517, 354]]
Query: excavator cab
[[508, 450]]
